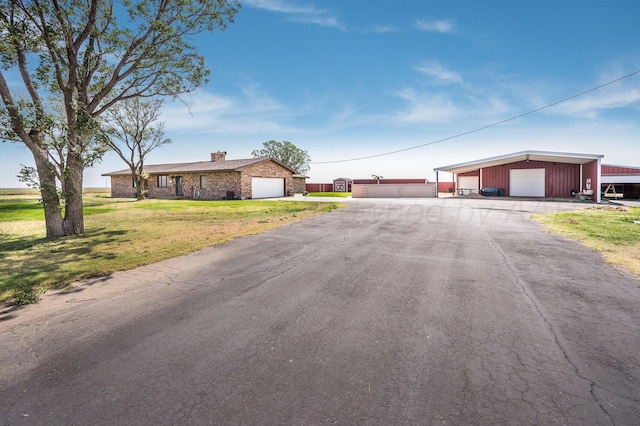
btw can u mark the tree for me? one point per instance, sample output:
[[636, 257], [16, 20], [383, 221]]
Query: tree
[[92, 54], [287, 153], [377, 178], [132, 135], [55, 142]]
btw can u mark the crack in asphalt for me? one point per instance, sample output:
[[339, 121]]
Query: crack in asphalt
[[521, 284]]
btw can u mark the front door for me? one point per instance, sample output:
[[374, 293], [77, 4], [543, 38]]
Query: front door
[[179, 186]]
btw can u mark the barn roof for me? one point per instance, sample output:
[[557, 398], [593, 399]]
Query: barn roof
[[558, 157]]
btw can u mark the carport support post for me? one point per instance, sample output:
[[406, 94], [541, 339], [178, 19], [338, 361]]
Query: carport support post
[[454, 178], [580, 189], [598, 182]]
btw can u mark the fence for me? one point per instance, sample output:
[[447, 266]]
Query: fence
[[319, 187], [427, 190]]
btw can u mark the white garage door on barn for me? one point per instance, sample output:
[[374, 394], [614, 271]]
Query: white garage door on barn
[[267, 187], [527, 183], [468, 184]]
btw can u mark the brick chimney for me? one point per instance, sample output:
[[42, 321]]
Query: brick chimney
[[218, 156]]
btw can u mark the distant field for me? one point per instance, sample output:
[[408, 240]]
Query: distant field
[[121, 234], [35, 192]]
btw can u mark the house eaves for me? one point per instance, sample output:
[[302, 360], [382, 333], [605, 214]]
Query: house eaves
[[198, 167], [260, 160]]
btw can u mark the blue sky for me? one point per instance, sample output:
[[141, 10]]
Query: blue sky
[[346, 79]]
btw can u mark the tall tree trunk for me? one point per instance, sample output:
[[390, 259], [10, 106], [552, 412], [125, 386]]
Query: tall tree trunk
[[138, 180], [50, 199], [141, 187], [73, 214]]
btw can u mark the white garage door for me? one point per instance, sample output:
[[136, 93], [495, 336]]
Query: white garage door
[[527, 183], [468, 184], [267, 187]]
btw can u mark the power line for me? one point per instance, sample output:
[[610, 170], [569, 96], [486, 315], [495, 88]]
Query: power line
[[497, 123]]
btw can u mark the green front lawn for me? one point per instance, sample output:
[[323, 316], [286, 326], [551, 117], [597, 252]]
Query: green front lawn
[[612, 230]]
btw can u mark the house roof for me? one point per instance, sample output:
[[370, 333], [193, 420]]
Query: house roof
[[558, 157], [199, 167]]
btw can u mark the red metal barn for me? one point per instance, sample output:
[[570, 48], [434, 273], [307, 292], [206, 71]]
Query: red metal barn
[[529, 174]]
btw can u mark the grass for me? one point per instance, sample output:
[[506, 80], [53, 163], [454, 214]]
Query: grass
[[36, 193], [121, 234], [329, 194], [18, 191], [611, 230]]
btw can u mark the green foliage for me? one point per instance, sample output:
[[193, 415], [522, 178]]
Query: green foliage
[[25, 294], [131, 130], [28, 176], [287, 153]]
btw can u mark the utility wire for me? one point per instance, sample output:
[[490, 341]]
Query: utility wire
[[483, 127]]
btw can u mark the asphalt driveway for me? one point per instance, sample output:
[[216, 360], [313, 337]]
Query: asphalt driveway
[[444, 311]]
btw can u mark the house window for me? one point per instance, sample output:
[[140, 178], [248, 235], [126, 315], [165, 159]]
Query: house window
[[203, 182], [163, 181]]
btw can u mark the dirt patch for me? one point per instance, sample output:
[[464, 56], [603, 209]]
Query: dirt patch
[[472, 195], [609, 208], [570, 220]]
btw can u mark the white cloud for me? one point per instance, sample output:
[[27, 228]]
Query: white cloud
[[253, 113], [465, 101], [532, 94], [425, 108], [591, 106], [435, 69], [618, 91], [193, 113], [384, 29], [298, 13], [258, 100], [349, 116], [442, 26], [492, 106]]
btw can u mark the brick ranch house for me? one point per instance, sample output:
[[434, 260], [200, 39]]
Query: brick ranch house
[[212, 180]]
